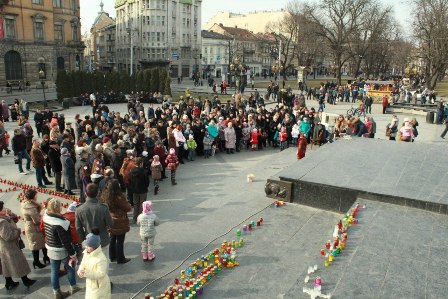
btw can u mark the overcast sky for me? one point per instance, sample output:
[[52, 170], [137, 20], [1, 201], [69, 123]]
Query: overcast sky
[[90, 9]]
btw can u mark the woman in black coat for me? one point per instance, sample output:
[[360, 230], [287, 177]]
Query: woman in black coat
[[54, 157]]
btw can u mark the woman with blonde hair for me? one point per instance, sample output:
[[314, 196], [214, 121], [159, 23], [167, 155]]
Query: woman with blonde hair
[[59, 246]]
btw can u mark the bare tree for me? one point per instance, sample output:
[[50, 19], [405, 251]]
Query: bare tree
[[285, 32], [431, 31], [337, 21]]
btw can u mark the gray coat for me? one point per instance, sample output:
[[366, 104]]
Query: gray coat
[[13, 261], [68, 172], [93, 214], [230, 137]]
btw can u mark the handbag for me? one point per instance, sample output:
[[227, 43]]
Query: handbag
[[388, 130], [21, 243]]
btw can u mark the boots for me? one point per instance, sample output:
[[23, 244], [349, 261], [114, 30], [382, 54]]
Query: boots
[[28, 282], [156, 190], [151, 256], [228, 151], [36, 262], [11, 284], [145, 256], [61, 295], [173, 182]]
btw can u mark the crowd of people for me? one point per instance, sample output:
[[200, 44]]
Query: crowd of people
[[112, 159]]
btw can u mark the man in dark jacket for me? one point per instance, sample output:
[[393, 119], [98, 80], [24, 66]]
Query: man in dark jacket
[[93, 214], [47, 114], [19, 149], [139, 180], [54, 155], [39, 121]]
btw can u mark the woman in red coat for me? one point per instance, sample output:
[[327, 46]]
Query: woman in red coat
[[254, 139], [301, 147], [171, 164], [70, 215]]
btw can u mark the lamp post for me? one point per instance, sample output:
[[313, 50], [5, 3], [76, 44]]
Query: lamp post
[[238, 69], [42, 82]]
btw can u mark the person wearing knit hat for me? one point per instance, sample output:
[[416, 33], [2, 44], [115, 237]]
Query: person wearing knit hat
[[191, 145], [94, 267], [171, 164], [147, 221], [106, 140]]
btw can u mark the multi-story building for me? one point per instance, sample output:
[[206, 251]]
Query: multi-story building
[[161, 33], [100, 44], [257, 21], [38, 38], [247, 47], [215, 53]]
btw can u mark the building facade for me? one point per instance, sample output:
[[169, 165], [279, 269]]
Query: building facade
[[256, 21], [38, 38], [161, 33], [100, 43], [215, 54], [253, 50]]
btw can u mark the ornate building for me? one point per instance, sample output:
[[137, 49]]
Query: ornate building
[[99, 53], [38, 38], [161, 33]]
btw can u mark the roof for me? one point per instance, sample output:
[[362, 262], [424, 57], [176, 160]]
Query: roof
[[239, 33], [213, 35]]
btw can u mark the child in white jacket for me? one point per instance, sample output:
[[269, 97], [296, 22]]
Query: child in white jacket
[[147, 221]]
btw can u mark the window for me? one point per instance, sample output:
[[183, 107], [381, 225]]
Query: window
[[57, 3], [75, 36], [13, 66], [163, 20], [39, 31], [73, 4], [10, 27], [37, 2], [58, 32], [158, 36]]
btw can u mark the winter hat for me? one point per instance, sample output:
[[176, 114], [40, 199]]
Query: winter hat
[[72, 207], [145, 154], [98, 147], [190, 137], [147, 207], [172, 151], [156, 158], [93, 239], [106, 139], [244, 123], [255, 130], [129, 152], [64, 151]]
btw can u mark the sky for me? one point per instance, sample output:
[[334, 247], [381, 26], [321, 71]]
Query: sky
[[90, 9]]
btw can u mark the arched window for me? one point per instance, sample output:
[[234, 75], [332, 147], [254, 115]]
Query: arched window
[[60, 63], [13, 66]]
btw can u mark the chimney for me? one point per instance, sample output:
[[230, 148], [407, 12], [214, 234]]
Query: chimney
[[236, 26], [220, 24]]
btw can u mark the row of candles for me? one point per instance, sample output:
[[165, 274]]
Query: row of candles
[[193, 279], [331, 250], [15, 186]]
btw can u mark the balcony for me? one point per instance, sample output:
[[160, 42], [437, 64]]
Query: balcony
[[249, 51]]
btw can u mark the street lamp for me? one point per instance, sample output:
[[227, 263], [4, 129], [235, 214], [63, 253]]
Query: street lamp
[[42, 82]]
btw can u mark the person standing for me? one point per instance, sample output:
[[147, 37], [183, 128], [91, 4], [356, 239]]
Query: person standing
[[3, 143], [230, 138], [19, 149], [445, 130], [171, 164], [5, 111], [39, 121], [385, 103], [94, 268], [60, 249], [38, 160], [12, 260], [93, 214], [54, 155], [31, 209], [118, 208], [147, 221], [156, 172], [68, 171], [139, 180]]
